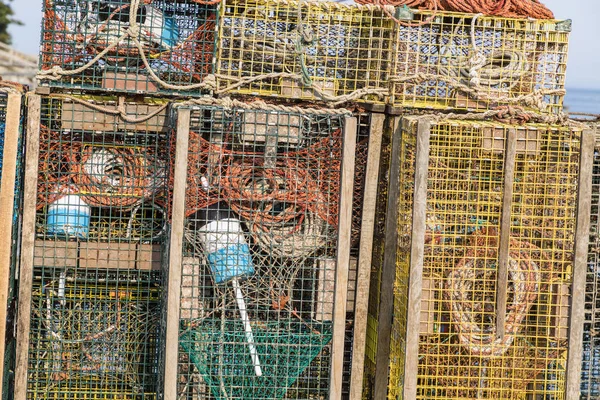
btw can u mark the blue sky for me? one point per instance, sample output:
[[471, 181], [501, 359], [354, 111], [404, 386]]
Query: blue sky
[[584, 52]]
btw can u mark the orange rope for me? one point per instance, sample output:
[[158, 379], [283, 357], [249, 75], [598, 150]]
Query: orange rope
[[501, 8]]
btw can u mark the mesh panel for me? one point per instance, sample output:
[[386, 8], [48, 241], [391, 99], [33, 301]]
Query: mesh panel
[[463, 62], [87, 40], [100, 230], [330, 49], [259, 266], [590, 378], [459, 354]]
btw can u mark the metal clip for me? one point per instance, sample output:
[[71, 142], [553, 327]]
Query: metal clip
[[404, 13]]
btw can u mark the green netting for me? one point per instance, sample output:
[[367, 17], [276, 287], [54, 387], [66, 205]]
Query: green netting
[[219, 350]]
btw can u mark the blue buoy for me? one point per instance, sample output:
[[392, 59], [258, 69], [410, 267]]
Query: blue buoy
[[68, 216], [224, 242]]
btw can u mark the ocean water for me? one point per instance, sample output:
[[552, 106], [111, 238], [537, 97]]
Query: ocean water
[[583, 100]]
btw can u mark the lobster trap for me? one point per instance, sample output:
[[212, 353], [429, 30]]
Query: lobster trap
[[304, 50], [258, 276], [93, 244], [590, 369], [484, 242], [450, 60], [161, 47], [11, 157]]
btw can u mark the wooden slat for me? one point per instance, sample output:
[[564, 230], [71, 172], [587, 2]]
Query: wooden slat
[[343, 258], [176, 255], [388, 273], [580, 266], [7, 201], [27, 244], [363, 279], [417, 248], [503, 250]]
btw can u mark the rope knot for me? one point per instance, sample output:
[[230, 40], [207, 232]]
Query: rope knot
[[513, 115], [476, 62], [133, 31]]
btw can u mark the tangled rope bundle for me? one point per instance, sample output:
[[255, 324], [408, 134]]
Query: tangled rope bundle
[[207, 163], [104, 176], [502, 8], [470, 310], [54, 166], [297, 239], [117, 176], [266, 195]]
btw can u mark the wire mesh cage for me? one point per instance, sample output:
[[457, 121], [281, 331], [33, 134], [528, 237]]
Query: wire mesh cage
[[100, 232], [259, 258], [304, 50], [160, 46], [11, 148], [464, 61], [590, 374], [465, 346]]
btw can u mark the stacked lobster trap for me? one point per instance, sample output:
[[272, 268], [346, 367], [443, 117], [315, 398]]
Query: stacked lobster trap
[[590, 374], [304, 50], [262, 252], [482, 264], [151, 47], [445, 60], [11, 158], [92, 271]]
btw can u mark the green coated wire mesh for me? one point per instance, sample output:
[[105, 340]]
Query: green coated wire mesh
[[99, 241], [258, 270], [89, 44]]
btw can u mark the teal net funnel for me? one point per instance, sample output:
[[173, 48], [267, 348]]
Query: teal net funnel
[[219, 350]]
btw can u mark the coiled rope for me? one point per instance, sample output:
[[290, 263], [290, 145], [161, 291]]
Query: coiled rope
[[117, 176], [501, 8], [471, 312]]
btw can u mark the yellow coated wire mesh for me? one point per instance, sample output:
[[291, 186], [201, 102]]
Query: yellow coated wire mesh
[[463, 61], [460, 356], [304, 50]]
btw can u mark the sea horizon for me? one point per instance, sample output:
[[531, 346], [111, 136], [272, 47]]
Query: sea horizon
[[583, 100]]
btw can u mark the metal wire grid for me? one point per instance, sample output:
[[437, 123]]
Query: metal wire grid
[[100, 231], [459, 355], [590, 378], [464, 61], [259, 264], [178, 39], [303, 50]]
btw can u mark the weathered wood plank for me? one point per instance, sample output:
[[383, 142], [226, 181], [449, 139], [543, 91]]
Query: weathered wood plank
[[343, 257], [27, 244], [363, 279], [176, 255]]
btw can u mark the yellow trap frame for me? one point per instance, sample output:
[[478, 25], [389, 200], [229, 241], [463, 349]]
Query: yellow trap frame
[[482, 217]]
